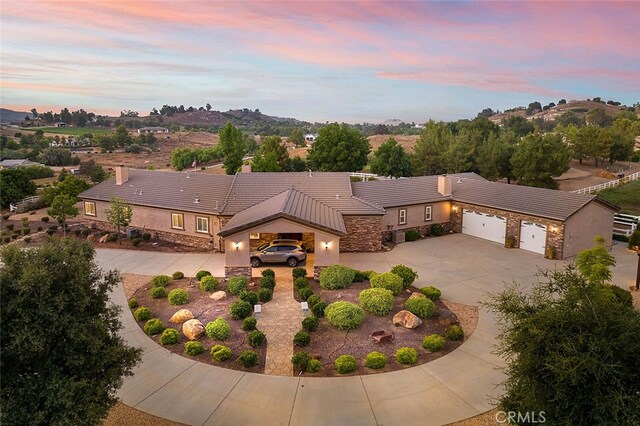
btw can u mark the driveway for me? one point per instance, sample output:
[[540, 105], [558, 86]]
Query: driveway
[[456, 386]]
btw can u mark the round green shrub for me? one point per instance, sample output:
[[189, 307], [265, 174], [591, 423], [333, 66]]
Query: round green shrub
[[39, 228], [433, 343], [15, 236], [313, 299], [268, 273], [133, 303], [310, 323], [193, 348], [248, 359], [335, 277], [265, 295], [154, 326], [6, 240], [420, 306], [454, 332], [268, 282], [241, 310], [407, 356], [305, 293], [27, 239], [45, 219], [387, 280], [249, 323], [158, 292], [76, 232], [298, 273], [634, 239], [318, 309], [236, 284], [202, 273], [376, 301], [358, 277], [301, 282], [146, 236], [177, 276], [221, 353], [251, 297], [169, 336], [375, 360], [436, 229], [86, 232], [407, 274], [314, 365], [136, 241], [160, 280], [10, 226], [255, 338], [344, 315], [142, 314], [411, 235], [300, 361], [209, 283], [178, 296], [432, 292], [218, 329], [26, 231], [52, 227], [302, 338], [345, 364]]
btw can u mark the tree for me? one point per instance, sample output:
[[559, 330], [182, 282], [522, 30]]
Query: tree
[[61, 356], [233, 147], [594, 264], [599, 117], [537, 160], [121, 137], [534, 107], [518, 125], [381, 129], [429, 152], [57, 156], [119, 214], [208, 106], [15, 185], [71, 186], [297, 137], [562, 101], [296, 164], [390, 159], [339, 148], [93, 170], [271, 156], [63, 208]]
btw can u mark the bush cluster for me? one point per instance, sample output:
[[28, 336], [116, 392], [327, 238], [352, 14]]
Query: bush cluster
[[387, 280], [344, 315], [305, 293], [318, 309], [142, 314], [375, 360], [160, 280], [178, 296], [358, 277], [221, 353], [249, 323], [407, 274], [432, 292], [376, 301], [251, 297], [265, 295], [255, 338], [313, 299], [158, 292], [436, 229], [454, 332], [202, 273], [248, 359], [218, 329], [268, 273], [420, 306], [433, 343], [146, 236], [268, 282], [407, 356], [241, 309], [411, 235], [301, 282], [133, 303], [336, 277], [169, 336], [621, 295], [177, 275], [310, 323], [154, 326], [193, 348], [367, 274], [209, 283], [236, 284], [136, 241], [300, 361], [314, 365], [302, 338], [345, 364], [298, 273]]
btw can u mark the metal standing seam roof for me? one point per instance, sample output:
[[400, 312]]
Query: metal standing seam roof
[[291, 204]]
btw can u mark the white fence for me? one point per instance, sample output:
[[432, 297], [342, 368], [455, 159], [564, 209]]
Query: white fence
[[625, 224], [24, 205], [610, 184], [369, 176]]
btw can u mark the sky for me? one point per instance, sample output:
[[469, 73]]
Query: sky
[[346, 61]]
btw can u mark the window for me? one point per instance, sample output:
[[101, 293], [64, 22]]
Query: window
[[427, 213], [89, 208], [402, 217], [254, 235], [177, 220], [202, 224]]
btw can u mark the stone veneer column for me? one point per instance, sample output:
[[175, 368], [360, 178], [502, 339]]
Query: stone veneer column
[[513, 229], [456, 217], [230, 271], [363, 234]]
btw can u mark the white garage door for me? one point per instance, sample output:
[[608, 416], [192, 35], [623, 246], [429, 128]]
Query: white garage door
[[483, 225], [533, 237]]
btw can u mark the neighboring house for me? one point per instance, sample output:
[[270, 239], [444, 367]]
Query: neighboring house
[[10, 164], [152, 130], [60, 124], [310, 138], [331, 214]]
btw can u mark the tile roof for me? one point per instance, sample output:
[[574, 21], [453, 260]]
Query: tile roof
[[291, 204]]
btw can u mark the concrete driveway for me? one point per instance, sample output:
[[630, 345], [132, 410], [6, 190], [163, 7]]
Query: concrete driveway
[[459, 385]]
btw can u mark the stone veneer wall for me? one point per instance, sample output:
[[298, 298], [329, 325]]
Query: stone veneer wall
[[554, 239], [230, 271], [363, 234]]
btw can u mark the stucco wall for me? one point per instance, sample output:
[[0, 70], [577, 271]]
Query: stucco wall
[[582, 227], [440, 213]]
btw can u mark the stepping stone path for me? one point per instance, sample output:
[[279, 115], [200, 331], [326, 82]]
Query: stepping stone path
[[280, 320]]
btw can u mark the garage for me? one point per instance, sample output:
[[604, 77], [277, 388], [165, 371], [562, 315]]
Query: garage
[[533, 237], [483, 225]]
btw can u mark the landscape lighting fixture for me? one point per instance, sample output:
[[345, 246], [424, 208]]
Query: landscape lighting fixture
[[325, 245]]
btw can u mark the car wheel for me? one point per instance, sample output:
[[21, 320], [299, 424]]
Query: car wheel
[[255, 262], [293, 262]]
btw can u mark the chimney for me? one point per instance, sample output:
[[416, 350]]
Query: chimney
[[444, 185], [122, 174], [246, 168]]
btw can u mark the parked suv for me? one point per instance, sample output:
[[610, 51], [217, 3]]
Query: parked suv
[[281, 242], [292, 254]]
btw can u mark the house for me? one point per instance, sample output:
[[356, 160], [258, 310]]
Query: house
[[234, 214], [60, 124], [11, 164], [310, 138], [143, 130]]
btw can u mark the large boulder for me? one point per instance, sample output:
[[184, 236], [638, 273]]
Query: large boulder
[[193, 329], [218, 295], [181, 316], [416, 295], [104, 238], [446, 318], [406, 319]]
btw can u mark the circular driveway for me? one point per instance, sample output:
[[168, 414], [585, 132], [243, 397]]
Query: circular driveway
[[459, 385]]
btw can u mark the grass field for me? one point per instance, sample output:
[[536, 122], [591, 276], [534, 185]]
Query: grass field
[[626, 196], [72, 131]]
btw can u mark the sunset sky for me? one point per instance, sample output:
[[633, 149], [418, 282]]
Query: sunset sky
[[317, 61]]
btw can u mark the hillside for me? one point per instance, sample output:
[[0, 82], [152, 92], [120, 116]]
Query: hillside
[[579, 107], [238, 117], [10, 116]]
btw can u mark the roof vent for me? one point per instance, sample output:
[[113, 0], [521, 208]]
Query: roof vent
[[310, 174], [337, 196], [459, 180], [197, 200], [188, 176], [181, 189]]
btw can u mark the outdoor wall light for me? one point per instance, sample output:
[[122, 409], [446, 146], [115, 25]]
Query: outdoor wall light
[[553, 229], [237, 245], [326, 245], [454, 208]]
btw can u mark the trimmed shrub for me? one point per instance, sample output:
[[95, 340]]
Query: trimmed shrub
[[432, 292], [193, 348], [433, 343], [15, 236], [454, 332], [218, 329], [6, 216], [178, 296], [300, 361], [268, 282], [221, 353], [302, 338], [268, 273], [50, 232], [249, 323], [411, 235], [407, 356], [420, 306], [313, 299], [436, 229], [248, 359], [241, 310], [634, 239], [256, 337], [209, 283], [17, 232], [250, 297], [367, 274], [177, 275], [86, 232], [45, 219], [407, 274], [52, 227], [6, 240], [169, 336], [335, 277], [318, 309], [158, 292], [358, 277], [344, 315], [375, 360], [314, 365], [298, 273], [160, 280], [113, 237], [27, 239], [154, 326], [142, 314], [39, 228], [202, 273], [146, 236], [26, 231], [345, 364], [376, 301], [133, 303], [389, 281], [136, 241], [265, 295], [305, 293], [310, 323], [9, 226], [236, 284], [301, 282]]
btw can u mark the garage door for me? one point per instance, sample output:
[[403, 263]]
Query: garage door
[[483, 225], [533, 237]]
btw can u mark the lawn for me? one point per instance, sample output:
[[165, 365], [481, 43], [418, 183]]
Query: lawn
[[626, 196], [73, 131]]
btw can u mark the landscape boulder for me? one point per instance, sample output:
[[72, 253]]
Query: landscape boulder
[[446, 318], [416, 295], [406, 319], [91, 237], [193, 329], [104, 238], [218, 295], [181, 316]]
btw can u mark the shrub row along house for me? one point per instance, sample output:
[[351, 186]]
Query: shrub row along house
[[235, 214]]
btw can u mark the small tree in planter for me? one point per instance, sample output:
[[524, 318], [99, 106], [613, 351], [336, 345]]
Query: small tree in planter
[[63, 208], [119, 214]]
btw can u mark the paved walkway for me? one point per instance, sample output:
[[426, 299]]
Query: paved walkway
[[459, 385]]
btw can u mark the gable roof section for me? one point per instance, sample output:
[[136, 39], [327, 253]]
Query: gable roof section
[[291, 204]]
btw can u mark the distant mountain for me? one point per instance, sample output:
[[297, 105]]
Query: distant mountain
[[237, 117], [8, 116], [578, 107], [393, 122]]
